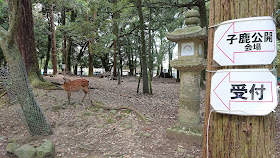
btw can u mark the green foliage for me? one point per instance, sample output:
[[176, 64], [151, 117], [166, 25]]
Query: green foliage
[[41, 32], [84, 28], [4, 14], [4, 22]]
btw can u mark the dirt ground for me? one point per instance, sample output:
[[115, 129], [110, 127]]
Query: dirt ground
[[83, 131]]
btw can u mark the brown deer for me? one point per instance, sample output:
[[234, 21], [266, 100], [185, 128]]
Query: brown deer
[[75, 86]]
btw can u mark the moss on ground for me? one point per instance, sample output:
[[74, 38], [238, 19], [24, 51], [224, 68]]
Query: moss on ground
[[40, 83]]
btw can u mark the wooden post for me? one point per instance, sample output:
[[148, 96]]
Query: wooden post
[[231, 135]]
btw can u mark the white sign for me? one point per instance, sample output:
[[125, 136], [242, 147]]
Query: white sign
[[244, 91], [249, 41], [187, 49]]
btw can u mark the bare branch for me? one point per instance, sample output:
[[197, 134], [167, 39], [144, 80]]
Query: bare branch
[[15, 17]]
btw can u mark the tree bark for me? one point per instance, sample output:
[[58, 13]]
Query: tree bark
[[130, 61], [90, 60], [33, 116], [143, 45], [69, 47], [170, 56], [63, 18], [91, 49], [54, 58], [26, 42], [115, 31], [231, 135], [68, 53], [48, 54], [150, 45]]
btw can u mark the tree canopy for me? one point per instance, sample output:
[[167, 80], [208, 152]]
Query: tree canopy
[[105, 33]]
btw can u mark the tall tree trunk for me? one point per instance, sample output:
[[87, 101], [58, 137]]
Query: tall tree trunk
[[63, 17], [120, 64], [170, 53], [150, 77], [76, 69], [202, 12], [150, 45], [79, 57], [232, 135], [115, 43], [81, 69], [90, 62], [26, 42], [68, 54], [69, 47], [158, 63], [48, 54], [54, 59], [130, 61], [143, 45], [203, 23], [33, 116], [91, 49]]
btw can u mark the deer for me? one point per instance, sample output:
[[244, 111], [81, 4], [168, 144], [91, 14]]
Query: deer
[[75, 86]]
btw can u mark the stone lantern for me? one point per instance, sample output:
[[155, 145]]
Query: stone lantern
[[190, 63]]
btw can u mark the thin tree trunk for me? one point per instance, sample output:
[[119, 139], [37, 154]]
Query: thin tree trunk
[[203, 23], [130, 61], [120, 59], [90, 62], [232, 135], [54, 58], [169, 59], [48, 54], [150, 47], [81, 53], [143, 45], [115, 31], [68, 54], [119, 75], [91, 49], [63, 16], [69, 47]]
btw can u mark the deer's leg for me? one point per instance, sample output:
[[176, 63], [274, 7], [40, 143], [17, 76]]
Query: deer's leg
[[69, 95], [86, 91], [89, 96]]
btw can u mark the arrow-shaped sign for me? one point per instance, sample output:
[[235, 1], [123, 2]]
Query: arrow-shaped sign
[[250, 41], [244, 91], [230, 50], [239, 88]]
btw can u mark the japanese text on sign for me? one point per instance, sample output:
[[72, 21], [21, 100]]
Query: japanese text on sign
[[243, 91], [240, 90], [253, 41], [248, 41]]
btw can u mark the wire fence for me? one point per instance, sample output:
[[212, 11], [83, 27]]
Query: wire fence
[[21, 95]]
